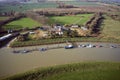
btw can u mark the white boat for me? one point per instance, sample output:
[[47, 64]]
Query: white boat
[[69, 47]]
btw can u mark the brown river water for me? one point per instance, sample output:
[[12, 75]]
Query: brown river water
[[11, 64]]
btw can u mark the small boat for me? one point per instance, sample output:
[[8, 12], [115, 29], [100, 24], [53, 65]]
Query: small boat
[[82, 46], [24, 51], [69, 47], [43, 49], [112, 46], [89, 46], [16, 51]]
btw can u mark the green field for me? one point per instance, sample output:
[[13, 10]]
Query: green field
[[87, 75], [80, 19], [29, 6], [78, 71], [79, 3], [23, 7], [22, 23], [110, 28]]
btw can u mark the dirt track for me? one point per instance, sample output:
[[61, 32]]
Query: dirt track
[[11, 64]]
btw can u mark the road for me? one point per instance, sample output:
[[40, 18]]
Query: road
[[11, 64]]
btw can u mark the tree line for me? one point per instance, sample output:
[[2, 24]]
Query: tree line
[[61, 12], [35, 16], [16, 17], [94, 23]]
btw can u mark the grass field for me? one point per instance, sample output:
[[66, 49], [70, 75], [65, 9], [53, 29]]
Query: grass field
[[23, 7], [78, 71], [98, 75], [79, 3], [22, 23], [111, 28], [80, 19]]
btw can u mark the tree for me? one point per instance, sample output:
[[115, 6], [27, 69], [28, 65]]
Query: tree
[[23, 37], [73, 34]]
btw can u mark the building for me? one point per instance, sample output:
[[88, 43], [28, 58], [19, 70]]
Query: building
[[57, 29], [74, 26], [84, 28]]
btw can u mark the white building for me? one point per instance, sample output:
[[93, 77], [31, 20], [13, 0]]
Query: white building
[[84, 28]]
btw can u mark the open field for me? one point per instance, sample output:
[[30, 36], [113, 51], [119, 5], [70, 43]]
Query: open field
[[110, 28], [80, 19], [18, 63], [78, 3], [22, 23], [95, 74], [23, 7]]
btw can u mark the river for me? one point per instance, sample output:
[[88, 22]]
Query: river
[[11, 64]]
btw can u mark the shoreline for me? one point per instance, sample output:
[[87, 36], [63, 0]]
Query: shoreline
[[62, 43]]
